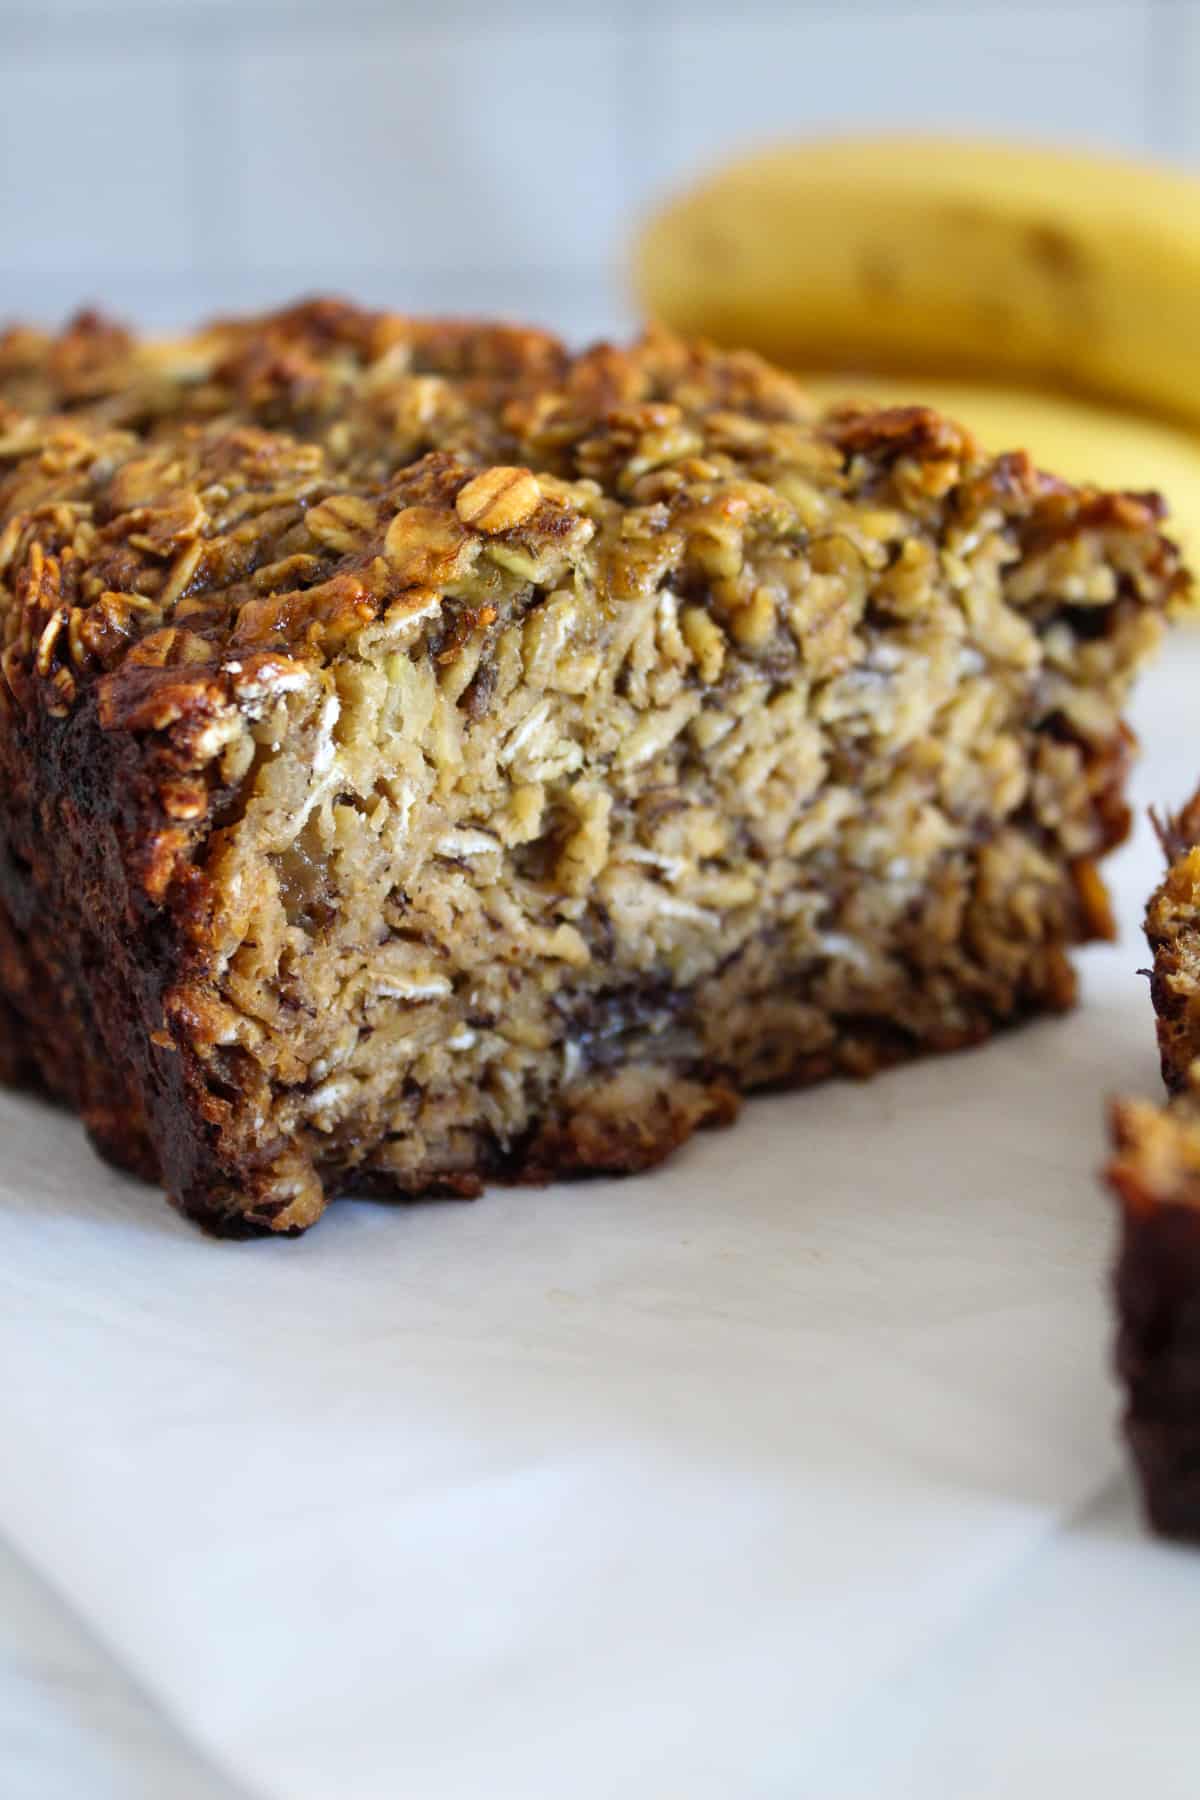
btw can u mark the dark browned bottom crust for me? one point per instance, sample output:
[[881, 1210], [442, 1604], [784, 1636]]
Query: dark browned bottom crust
[[1157, 1287], [621, 1121]]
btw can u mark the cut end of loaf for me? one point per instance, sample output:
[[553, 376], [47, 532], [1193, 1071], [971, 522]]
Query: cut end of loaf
[[432, 758]]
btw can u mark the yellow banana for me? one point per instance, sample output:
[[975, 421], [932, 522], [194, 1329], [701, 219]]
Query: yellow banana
[[1080, 441], [916, 254]]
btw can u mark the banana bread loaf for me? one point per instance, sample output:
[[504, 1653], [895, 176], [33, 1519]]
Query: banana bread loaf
[[430, 757], [1156, 1174]]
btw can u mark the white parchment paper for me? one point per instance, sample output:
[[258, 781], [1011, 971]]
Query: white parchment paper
[[790, 1469]]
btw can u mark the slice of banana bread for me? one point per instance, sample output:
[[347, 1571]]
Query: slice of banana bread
[[428, 756], [1156, 1174]]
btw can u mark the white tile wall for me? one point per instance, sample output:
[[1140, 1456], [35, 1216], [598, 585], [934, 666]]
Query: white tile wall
[[96, 152], [417, 148], [1175, 46], [172, 156], [1053, 71]]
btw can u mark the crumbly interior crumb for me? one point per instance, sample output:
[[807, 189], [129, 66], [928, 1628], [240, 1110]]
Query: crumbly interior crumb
[[531, 753]]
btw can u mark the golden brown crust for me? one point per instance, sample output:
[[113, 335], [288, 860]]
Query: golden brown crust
[[183, 514], [1173, 934]]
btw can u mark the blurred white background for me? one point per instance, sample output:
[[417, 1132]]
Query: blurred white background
[[170, 157]]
